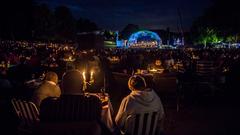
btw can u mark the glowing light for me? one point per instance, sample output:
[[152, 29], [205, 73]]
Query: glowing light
[[84, 76], [91, 76], [153, 70], [158, 62], [156, 70], [144, 39], [87, 81]]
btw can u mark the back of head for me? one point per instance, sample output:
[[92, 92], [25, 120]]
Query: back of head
[[51, 76], [137, 83], [22, 60], [72, 83]]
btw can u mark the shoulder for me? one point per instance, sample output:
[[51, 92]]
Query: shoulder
[[128, 100], [44, 85], [57, 88]]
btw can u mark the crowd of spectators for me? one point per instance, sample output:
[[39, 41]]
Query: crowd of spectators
[[28, 68], [23, 61]]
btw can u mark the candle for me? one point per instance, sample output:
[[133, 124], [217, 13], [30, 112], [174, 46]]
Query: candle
[[84, 76], [84, 81], [91, 76]]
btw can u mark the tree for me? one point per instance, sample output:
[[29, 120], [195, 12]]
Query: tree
[[128, 30], [223, 16], [44, 22], [109, 35], [65, 24], [25, 20], [208, 36], [16, 19], [232, 38], [85, 25]]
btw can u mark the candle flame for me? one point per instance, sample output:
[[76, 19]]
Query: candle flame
[[91, 75], [84, 76]]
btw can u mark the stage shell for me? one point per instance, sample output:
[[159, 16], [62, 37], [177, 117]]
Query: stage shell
[[144, 39]]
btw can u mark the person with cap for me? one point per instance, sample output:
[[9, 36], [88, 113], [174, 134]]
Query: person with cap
[[141, 99]]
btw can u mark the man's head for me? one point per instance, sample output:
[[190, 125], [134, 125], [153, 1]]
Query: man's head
[[51, 76], [137, 83], [72, 83]]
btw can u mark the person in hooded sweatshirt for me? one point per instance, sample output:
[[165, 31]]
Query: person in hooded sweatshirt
[[141, 99]]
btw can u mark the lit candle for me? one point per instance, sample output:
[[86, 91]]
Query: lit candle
[[153, 70], [84, 76], [84, 81], [91, 76]]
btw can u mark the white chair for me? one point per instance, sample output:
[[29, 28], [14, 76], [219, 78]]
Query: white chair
[[27, 113], [142, 124]]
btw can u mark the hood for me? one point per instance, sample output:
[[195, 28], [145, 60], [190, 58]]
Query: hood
[[145, 97]]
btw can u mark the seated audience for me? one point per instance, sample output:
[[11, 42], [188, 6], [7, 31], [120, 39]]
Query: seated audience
[[141, 99], [73, 105], [5, 84], [48, 88], [157, 65]]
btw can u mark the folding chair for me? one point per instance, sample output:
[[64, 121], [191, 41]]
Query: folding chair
[[27, 113], [142, 124]]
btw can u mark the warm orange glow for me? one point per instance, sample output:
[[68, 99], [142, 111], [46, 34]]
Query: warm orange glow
[[84, 76], [91, 77], [153, 70]]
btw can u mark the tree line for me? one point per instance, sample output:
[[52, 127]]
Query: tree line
[[219, 23], [28, 20]]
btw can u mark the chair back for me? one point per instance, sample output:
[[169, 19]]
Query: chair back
[[204, 68], [142, 123], [26, 111], [70, 108], [67, 128], [180, 67]]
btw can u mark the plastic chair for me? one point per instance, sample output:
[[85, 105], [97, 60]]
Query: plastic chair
[[27, 113], [141, 124]]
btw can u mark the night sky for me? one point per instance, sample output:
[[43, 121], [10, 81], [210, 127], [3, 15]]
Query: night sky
[[148, 14]]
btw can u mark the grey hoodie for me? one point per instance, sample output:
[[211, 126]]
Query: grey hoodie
[[137, 102]]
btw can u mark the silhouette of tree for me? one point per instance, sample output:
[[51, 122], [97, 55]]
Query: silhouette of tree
[[109, 35], [16, 19], [222, 16], [128, 30], [85, 25], [65, 26], [24, 20], [44, 22]]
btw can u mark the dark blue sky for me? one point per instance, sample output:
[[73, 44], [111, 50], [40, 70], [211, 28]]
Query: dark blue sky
[[148, 14]]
